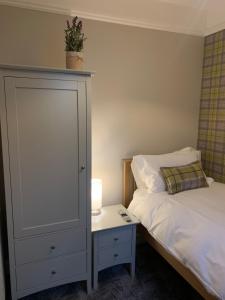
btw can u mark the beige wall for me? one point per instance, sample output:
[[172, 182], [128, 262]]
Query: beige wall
[[145, 93]]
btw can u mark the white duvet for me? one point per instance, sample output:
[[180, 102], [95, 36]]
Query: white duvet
[[191, 226]]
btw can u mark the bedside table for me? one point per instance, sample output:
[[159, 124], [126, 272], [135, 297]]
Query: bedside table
[[114, 240]]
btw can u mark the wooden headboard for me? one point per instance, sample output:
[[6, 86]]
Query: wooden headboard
[[129, 185]]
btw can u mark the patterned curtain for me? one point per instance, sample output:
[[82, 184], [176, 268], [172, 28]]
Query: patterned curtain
[[211, 137]]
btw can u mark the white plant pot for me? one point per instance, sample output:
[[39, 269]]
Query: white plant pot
[[74, 60]]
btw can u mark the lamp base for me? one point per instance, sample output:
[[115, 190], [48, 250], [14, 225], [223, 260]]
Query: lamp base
[[96, 212]]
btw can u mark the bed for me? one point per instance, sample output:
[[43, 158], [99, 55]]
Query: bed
[[185, 264]]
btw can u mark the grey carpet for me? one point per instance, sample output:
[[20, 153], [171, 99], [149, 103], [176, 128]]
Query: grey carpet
[[155, 280]]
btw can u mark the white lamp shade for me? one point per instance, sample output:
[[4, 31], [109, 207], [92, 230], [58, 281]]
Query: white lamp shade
[[96, 196]]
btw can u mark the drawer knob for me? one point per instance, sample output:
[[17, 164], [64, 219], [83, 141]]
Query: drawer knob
[[53, 272], [116, 239], [116, 255], [52, 247]]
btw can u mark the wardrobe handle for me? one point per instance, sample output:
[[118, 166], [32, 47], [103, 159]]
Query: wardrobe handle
[[53, 272], [52, 247], [116, 255], [82, 168], [116, 239]]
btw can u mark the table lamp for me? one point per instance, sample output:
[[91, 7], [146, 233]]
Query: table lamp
[[96, 196]]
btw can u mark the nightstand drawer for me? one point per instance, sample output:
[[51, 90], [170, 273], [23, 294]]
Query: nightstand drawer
[[48, 271], [110, 256], [50, 245], [115, 236]]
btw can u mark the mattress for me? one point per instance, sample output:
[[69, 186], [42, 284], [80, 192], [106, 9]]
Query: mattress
[[191, 226]]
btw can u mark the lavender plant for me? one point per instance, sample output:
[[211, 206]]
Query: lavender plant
[[74, 37]]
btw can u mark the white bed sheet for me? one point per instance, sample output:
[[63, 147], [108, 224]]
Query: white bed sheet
[[191, 226]]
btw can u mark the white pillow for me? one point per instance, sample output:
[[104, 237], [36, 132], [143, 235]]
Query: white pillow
[[198, 153], [209, 180], [146, 168]]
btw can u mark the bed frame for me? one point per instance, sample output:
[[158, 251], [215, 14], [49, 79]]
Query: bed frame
[[129, 187]]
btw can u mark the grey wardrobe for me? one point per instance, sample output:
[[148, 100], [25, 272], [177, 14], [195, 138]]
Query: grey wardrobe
[[45, 129]]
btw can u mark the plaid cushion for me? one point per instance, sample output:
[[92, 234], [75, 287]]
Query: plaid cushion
[[184, 178]]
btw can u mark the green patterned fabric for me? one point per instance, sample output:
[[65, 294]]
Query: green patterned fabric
[[188, 177], [211, 137]]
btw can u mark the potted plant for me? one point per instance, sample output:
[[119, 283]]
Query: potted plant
[[74, 39]]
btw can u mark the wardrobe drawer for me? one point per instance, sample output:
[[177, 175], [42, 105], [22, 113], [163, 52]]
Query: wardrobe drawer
[[110, 256], [115, 236], [48, 271], [50, 245]]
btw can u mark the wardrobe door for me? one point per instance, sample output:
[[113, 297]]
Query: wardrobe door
[[47, 148]]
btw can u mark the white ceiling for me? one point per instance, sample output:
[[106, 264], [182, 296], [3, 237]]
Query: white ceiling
[[197, 17]]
